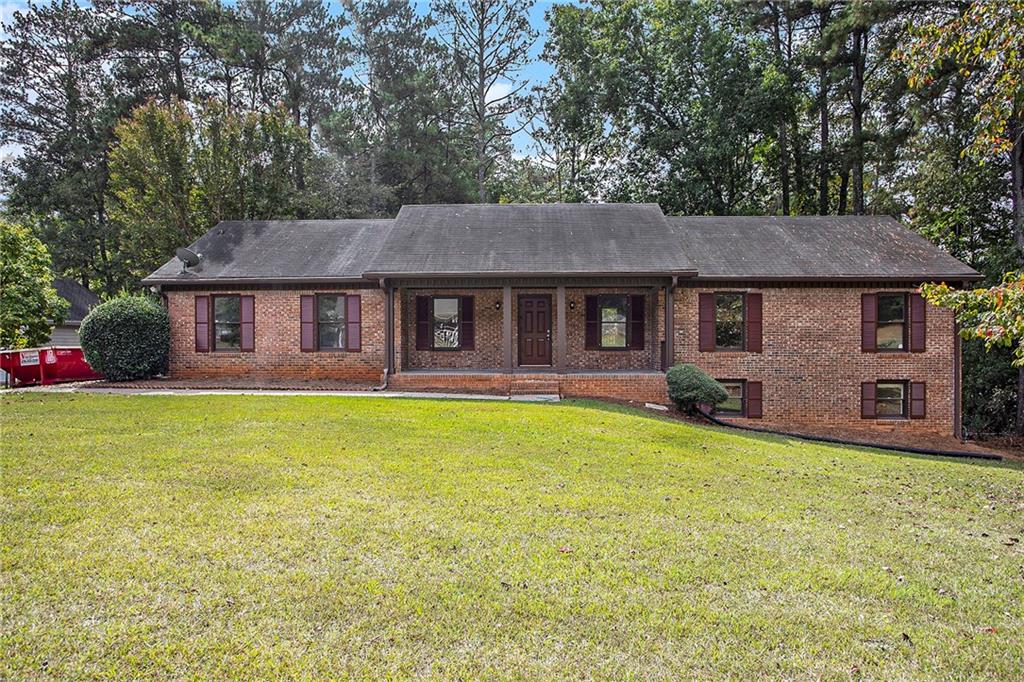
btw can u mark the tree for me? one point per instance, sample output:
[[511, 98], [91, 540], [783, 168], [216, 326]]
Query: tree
[[29, 305], [983, 44], [490, 41], [175, 174], [59, 103]]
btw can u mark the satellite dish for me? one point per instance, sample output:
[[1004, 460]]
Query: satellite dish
[[188, 257]]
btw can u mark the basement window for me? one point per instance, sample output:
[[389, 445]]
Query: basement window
[[734, 403]]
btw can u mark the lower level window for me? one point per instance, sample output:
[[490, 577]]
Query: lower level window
[[734, 403], [227, 322], [331, 321], [891, 399], [446, 321]]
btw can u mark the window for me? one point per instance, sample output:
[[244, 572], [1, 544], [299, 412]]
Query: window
[[227, 322], [892, 317], [891, 399], [729, 321], [734, 403], [331, 321], [445, 322], [614, 313]]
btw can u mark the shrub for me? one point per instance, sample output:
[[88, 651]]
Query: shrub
[[127, 338], [689, 386]]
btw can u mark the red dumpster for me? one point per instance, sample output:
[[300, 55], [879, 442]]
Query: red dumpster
[[47, 365]]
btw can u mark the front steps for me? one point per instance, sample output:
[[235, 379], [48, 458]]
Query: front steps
[[534, 385]]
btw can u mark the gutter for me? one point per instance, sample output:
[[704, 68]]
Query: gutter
[[838, 441]]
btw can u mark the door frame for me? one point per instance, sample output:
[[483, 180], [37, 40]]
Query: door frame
[[519, 336]]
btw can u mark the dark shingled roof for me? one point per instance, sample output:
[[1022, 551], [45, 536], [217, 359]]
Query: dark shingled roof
[[496, 239], [563, 239], [812, 247], [280, 250], [80, 298]]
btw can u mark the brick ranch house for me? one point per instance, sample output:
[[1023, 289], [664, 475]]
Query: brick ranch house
[[804, 320]]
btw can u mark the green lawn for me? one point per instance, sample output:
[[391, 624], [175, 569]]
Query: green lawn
[[241, 537]]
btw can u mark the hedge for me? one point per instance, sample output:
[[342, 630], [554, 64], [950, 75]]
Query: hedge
[[127, 338]]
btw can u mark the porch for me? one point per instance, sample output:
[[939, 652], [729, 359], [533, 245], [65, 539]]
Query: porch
[[599, 337]]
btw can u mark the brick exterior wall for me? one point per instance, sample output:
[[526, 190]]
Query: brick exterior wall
[[812, 366], [488, 335], [277, 350]]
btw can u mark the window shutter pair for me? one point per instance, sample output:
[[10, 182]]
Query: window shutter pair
[[916, 320], [918, 408], [753, 317], [308, 341], [204, 324], [467, 323], [636, 322]]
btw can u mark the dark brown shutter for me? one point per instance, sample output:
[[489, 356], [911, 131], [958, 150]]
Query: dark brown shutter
[[353, 323], [917, 323], [248, 326], [868, 322], [867, 400], [636, 322], [423, 323], [753, 321], [467, 326], [592, 324], [307, 323], [917, 402], [754, 410], [202, 324], [706, 322]]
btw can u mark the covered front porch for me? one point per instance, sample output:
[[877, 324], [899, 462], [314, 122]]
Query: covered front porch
[[594, 337]]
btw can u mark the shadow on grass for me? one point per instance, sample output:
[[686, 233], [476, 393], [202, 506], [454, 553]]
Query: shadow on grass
[[779, 438]]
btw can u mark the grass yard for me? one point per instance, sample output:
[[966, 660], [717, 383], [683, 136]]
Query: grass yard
[[218, 537]]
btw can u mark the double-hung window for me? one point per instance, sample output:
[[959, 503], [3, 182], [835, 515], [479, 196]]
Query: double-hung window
[[445, 322], [729, 321], [227, 323], [614, 315], [892, 322], [331, 321], [891, 399]]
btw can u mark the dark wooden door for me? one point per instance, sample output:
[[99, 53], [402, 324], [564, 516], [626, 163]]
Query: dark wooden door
[[534, 330]]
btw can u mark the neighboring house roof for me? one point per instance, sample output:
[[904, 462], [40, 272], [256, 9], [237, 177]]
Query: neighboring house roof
[[562, 239], [80, 298], [238, 251], [813, 248], [530, 239]]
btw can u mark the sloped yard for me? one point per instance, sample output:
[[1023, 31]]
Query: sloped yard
[[241, 537]]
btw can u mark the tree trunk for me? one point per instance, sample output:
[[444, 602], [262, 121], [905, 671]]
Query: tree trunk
[[1017, 186], [823, 170], [844, 189], [783, 131], [860, 39], [481, 95]]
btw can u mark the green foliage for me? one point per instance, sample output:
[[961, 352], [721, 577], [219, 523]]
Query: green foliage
[[989, 389], [174, 174], [689, 386], [995, 315], [29, 305], [127, 338]]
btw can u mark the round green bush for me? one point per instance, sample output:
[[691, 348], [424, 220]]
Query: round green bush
[[689, 386], [127, 338]]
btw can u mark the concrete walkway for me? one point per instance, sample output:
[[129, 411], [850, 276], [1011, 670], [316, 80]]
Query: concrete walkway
[[66, 388]]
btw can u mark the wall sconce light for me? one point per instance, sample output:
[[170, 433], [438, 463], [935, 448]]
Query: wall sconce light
[[497, 305], [572, 305]]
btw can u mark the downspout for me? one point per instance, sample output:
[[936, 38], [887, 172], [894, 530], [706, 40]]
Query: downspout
[[389, 333]]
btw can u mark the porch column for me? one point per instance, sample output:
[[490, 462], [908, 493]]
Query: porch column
[[506, 327], [652, 330], [389, 329], [669, 325], [561, 332]]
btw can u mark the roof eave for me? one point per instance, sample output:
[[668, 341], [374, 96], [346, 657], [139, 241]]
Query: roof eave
[[163, 281], [525, 273], [844, 278]]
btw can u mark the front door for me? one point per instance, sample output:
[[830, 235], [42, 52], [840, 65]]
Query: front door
[[534, 330]]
